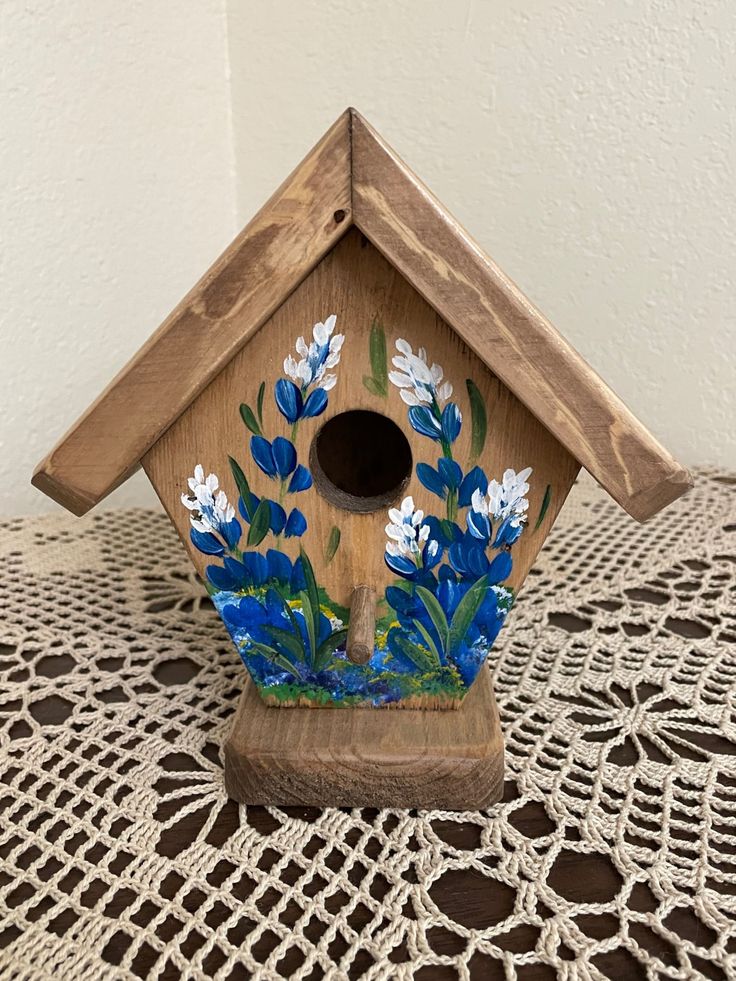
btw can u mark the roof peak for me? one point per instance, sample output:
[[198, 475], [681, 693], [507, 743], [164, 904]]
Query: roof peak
[[353, 177]]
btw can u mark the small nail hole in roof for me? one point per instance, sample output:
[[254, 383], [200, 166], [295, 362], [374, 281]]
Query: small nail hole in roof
[[361, 461]]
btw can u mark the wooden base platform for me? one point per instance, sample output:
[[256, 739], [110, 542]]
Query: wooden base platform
[[367, 757]]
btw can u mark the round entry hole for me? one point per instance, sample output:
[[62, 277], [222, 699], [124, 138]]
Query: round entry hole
[[360, 460]]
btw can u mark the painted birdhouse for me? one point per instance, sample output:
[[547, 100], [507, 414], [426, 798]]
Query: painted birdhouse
[[363, 433]]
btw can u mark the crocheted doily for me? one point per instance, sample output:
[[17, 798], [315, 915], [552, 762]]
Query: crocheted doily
[[613, 853]]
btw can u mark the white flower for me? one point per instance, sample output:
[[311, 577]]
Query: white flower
[[505, 500], [419, 383], [315, 358], [406, 533], [209, 505]]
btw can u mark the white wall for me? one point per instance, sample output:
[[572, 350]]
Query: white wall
[[586, 144], [116, 192]]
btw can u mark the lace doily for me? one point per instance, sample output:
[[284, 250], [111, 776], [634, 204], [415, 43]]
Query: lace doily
[[613, 853]]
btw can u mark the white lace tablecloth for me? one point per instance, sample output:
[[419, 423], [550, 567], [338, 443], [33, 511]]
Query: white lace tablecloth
[[613, 853]]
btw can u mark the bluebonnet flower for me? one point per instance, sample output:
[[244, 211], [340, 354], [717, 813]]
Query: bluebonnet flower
[[447, 476], [422, 387], [468, 558], [410, 547], [276, 459], [419, 383], [317, 357], [292, 404], [506, 503], [293, 524], [211, 514], [254, 570]]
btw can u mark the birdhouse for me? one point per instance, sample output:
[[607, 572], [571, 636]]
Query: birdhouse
[[363, 433]]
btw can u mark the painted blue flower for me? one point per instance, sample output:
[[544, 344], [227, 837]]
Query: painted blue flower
[[447, 476], [315, 404], [451, 422], [301, 480], [260, 450], [211, 516], [296, 524], [479, 525], [206, 542], [474, 480], [469, 559], [293, 406], [322, 353], [276, 459], [443, 531], [289, 400], [277, 517], [508, 532], [409, 549], [246, 614], [425, 422], [249, 507], [284, 457]]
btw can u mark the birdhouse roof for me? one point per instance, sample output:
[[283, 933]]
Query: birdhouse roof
[[352, 177]]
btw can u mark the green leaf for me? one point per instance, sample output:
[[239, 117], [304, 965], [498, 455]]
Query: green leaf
[[415, 654], [333, 543], [259, 404], [436, 615], [309, 621], [273, 655], [312, 590], [285, 639], [260, 524], [465, 612], [372, 385], [246, 414], [437, 660], [545, 504], [328, 647], [448, 528], [290, 615], [478, 419], [377, 347], [243, 487]]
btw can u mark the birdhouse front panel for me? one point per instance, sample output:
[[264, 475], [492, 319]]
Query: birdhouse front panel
[[356, 441]]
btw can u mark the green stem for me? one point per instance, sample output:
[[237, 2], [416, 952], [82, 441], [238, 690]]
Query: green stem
[[452, 505]]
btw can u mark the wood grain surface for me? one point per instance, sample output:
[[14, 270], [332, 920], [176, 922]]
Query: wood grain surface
[[363, 757], [362, 629], [356, 283], [275, 251], [414, 231]]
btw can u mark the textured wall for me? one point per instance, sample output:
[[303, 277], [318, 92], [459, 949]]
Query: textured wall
[[584, 143], [117, 192]]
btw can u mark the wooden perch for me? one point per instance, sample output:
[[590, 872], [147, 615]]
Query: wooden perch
[[362, 628]]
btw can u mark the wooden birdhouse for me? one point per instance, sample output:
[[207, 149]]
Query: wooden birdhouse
[[363, 433]]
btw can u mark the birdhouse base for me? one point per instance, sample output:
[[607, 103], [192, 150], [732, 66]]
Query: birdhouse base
[[343, 757]]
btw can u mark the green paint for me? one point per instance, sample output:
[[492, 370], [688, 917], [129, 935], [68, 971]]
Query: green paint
[[333, 543], [478, 419], [246, 414], [545, 505], [260, 524], [259, 404], [377, 381]]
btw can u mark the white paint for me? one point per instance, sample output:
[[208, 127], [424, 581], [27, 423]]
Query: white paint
[[117, 192], [584, 143]]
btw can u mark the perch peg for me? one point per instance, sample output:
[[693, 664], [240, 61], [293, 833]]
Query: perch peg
[[362, 630]]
